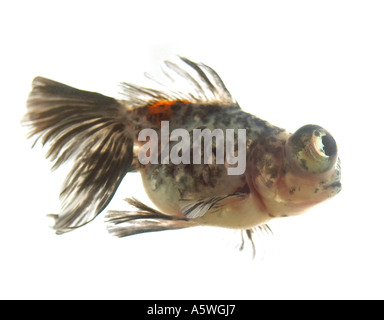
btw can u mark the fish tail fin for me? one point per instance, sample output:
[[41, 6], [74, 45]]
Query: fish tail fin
[[144, 219], [93, 130]]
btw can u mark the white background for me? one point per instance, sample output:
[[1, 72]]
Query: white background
[[289, 62]]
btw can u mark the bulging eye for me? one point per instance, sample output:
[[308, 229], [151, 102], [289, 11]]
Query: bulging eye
[[312, 149]]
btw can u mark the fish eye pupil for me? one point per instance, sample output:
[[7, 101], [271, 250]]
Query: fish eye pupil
[[329, 145]]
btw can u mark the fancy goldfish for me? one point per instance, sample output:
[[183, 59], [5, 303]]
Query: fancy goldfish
[[247, 173]]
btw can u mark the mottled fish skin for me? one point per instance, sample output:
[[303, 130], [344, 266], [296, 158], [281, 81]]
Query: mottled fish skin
[[169, 186], [285, 173]]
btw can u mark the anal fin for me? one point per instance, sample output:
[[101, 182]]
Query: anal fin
[[144, 219]]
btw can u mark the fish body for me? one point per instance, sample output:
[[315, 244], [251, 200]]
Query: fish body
[[274, 173]]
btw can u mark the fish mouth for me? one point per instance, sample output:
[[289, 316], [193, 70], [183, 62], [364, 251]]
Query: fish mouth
[[336, 184]]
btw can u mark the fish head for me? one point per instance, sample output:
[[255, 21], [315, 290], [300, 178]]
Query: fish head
[[301, 170]]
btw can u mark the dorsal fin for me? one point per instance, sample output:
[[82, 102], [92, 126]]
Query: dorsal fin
[[203, 86]]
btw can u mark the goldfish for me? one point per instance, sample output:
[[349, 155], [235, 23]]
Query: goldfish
[[247, 173]]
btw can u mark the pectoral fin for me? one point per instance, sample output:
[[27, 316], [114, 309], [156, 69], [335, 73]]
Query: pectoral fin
[[195, 209]]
